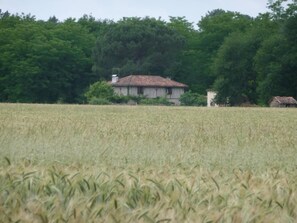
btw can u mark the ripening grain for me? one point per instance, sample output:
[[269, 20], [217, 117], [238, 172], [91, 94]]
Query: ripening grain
[[147, 164]]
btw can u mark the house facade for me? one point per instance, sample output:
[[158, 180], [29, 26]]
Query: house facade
[[149, 87], [283, 102]]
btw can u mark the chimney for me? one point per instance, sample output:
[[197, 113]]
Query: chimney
[[114, 78]]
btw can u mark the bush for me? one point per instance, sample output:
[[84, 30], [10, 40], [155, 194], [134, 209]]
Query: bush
[[119, 99], [193, 99], [101, 91], [154, 101]]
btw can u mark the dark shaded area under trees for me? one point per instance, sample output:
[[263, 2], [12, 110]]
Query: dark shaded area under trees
[[247, 60]]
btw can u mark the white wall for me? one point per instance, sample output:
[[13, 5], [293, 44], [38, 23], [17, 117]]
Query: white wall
[[152, 92], [210, 98], [120, 90]]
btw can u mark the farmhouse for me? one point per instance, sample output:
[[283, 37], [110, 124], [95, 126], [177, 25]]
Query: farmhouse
[[148, 86], [283, 102]]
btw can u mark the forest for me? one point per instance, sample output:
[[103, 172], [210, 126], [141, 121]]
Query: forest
[[245, 59]]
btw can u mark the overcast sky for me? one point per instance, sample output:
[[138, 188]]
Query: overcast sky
[[116, 9]]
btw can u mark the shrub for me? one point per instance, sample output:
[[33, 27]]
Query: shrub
[[193, 99], [101, 91], [119, 99], [154, 101]]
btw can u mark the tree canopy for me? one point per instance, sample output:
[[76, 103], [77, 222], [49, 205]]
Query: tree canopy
[[137, 46]]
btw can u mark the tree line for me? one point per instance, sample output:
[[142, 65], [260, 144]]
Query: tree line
[[245, 59]]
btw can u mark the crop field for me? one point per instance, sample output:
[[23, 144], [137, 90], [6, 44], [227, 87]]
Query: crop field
[[81, 163]]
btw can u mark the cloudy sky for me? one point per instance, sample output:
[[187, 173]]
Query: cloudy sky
[[116, 9]]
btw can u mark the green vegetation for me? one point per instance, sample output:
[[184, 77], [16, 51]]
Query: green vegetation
[[193, 99], [245, 59], [155, 101], [101, 93], [147, 164], [135, 45]]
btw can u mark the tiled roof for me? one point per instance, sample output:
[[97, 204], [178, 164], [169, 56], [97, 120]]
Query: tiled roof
[[285, 100], [147, 81]]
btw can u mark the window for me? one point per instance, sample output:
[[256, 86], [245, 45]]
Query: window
[[140, 90], [169, 91]]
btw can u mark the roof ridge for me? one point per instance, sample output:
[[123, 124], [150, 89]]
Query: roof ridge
[[277, 98], [148, 80], [285, 99]]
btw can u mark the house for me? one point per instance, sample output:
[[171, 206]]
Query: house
[[148, 86], [283, 102], [210, 98]]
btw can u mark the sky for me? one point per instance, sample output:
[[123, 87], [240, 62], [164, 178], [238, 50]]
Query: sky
[[193, 10]]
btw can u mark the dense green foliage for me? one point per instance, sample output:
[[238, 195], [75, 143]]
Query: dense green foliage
[[99, 90], [247, 60], [137, 46], [193, 99], [155, 101], [101, 93], [43, 61]]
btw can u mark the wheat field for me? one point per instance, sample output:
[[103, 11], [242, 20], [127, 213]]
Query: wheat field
[[81, 163]]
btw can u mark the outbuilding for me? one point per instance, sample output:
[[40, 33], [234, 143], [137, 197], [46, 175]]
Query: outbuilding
[[283, 102]]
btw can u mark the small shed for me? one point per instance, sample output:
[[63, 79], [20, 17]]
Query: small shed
[[283, 102]]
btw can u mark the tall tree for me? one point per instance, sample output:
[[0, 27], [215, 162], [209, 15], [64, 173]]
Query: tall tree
[[234, 66], [214, 28], [135, 45], [276, 59], [95, 27], [189, 70], [236, 77], [42, 62]]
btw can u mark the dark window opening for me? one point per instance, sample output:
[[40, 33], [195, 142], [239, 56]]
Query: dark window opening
[[140, 90], [169, 90]]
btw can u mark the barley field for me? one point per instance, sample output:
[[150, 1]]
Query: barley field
[[80, 163]]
